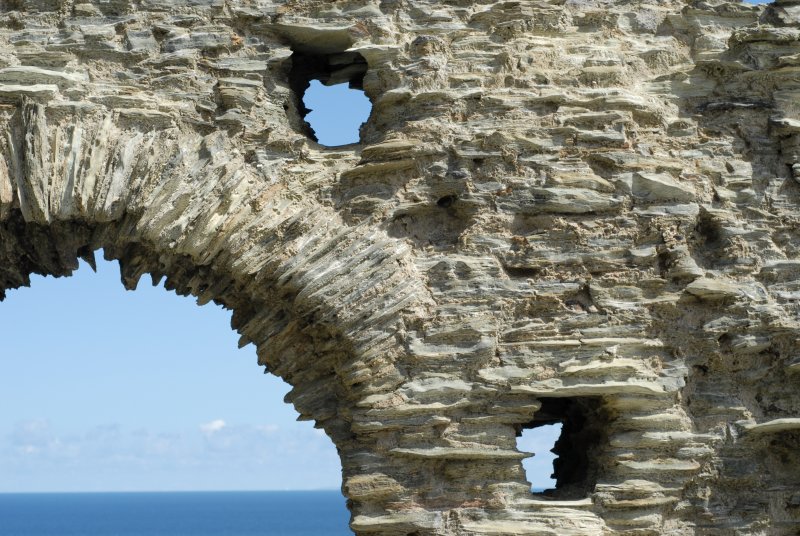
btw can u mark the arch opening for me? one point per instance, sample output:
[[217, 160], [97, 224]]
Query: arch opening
[[114, 392]]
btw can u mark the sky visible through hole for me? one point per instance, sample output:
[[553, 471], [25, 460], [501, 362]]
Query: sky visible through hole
[[539, 441], [336, 112]]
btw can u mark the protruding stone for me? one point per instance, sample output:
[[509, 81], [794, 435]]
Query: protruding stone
[[713, 289], [660, 187], [772, 427]]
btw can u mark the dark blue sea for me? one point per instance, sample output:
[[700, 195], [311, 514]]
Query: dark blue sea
[[262, 513]]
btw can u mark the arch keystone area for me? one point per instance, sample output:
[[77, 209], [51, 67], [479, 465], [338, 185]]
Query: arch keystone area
[[553, 205]]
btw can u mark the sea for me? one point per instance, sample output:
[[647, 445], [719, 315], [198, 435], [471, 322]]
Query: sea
[[250, 513]]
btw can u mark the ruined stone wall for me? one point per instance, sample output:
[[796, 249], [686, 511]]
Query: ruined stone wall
[[578, 210]]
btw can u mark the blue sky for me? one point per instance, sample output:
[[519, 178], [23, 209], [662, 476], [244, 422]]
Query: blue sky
[[105, 389], [109, 390], [336, 112]]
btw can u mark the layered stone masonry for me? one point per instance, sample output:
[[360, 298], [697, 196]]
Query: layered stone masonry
[[574, 210]]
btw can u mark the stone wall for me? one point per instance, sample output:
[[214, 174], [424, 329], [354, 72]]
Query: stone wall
[[576, 210]]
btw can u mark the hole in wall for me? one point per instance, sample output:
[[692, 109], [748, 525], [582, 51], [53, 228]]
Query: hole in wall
[[329, 94], [446, 201], [576, 429]]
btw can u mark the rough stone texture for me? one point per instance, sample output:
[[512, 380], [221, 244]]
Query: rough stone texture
[[589, 201]]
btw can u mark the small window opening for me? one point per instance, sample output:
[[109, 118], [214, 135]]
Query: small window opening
[[330, 99], [574, 431]]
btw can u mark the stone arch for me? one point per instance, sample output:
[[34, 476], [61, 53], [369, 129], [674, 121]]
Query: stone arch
[[194, 211]]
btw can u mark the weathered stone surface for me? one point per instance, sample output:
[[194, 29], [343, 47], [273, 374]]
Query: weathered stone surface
[[555, 206], [713, 289]]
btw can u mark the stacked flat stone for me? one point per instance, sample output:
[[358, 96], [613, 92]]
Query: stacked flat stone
[[551, 199]]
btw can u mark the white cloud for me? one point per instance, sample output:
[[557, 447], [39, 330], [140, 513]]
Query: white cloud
[[210, 428]]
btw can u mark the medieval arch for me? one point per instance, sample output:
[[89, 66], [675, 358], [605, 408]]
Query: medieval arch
[[582, 205]]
